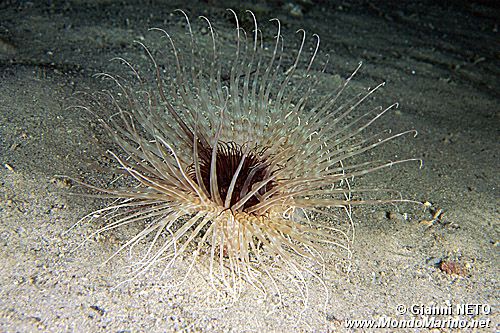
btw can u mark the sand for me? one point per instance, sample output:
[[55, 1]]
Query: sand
[[439, 61]]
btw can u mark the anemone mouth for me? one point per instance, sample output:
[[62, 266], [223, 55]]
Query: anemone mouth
[[238, 169]]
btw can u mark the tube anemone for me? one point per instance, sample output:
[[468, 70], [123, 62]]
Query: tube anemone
[[234, 166]]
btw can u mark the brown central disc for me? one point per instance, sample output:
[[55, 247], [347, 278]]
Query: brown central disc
[[254, 170]]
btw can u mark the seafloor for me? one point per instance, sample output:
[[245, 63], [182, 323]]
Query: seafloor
[[441, 62]]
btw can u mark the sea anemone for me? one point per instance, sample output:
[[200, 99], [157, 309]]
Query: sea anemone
[[232, 158]]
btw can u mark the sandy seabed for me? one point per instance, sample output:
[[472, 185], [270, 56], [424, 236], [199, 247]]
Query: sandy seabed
[[440, 63]]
